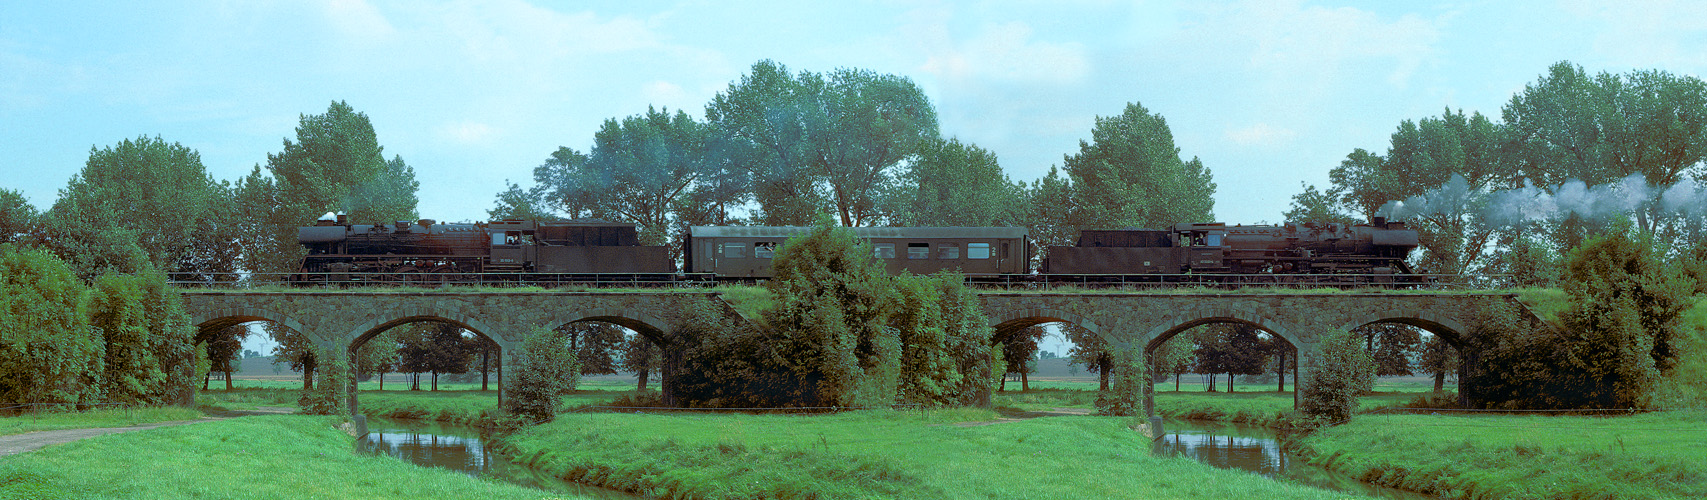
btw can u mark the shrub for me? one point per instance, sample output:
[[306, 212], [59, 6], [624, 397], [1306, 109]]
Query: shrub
[[1341, 373], [546, 369]]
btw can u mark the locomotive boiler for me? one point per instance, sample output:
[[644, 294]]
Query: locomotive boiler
[[534, 250], [1377, 248]]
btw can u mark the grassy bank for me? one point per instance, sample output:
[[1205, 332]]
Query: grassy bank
[[250, 457], [1654, 455], [874, 454], [124, 417]]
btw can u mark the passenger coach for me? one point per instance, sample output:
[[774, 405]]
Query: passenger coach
[[745, 252]]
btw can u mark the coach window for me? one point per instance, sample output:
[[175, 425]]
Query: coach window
[[883, 250], [977, 250], [732, 250], [918, 250], [948, 251], [764, 249]]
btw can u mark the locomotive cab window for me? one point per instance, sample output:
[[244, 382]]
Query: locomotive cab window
[[948, 251], [764, 250], [732, 250], [1214, 240], [918, 250], [977, 250], [498, 238], [883, 250]]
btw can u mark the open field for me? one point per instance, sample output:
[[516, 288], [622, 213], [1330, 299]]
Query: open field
[[250, 457]]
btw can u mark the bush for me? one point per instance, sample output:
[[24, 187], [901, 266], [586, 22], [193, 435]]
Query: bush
[[331, 395], [1342, 372], [49, 353], [546, 371]]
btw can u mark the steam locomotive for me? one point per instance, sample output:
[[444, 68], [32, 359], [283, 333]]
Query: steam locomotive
[[579, 251]]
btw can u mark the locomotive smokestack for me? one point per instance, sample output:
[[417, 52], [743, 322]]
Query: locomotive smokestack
[[1378, 221]]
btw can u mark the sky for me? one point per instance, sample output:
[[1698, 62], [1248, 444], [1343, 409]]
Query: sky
[[1270, 95]]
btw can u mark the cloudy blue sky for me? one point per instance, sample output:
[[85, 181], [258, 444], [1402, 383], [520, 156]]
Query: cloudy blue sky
[[1268, 94]]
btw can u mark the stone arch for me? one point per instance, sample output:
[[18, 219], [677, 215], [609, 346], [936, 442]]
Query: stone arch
[[373, 327], [640, 321], [1447, 327], [1174, 325], [1019, 319], [211, 320]]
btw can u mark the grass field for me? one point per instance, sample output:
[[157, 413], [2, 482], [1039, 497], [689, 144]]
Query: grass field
[[874, 454], [245, 458], [1653, 455], [125, 417]]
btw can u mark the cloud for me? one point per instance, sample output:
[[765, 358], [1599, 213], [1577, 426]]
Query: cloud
[[468, 132], [1007, 52], [1321, 42], [1646, 32], [1261, 134]]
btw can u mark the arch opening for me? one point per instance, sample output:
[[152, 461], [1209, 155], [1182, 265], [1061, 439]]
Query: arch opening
[[1413, 350], [424, 353], [616, 353], [237, 347], [1223, 346], [1042, 343]]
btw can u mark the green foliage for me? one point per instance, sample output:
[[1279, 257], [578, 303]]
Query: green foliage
[[1130, 174], [945, 342], [816, 142], [517, 203], [956, 184], [1313, 205], [331, 395], [1685, 385], [48, 351], [1343, 371], [1123, 397], [1621, 324], [830, 324], [18, 219], [641, 357], [147, 337], [159, 193], [545, 369]]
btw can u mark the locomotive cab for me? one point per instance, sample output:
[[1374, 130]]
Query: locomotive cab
[[1204, 246]]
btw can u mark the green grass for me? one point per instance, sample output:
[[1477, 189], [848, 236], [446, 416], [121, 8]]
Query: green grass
[[1654, 455], [874, 454], [243, 458], [125, 417]]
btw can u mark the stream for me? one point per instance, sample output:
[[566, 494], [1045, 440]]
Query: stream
[[460, 448], [1258, 449]]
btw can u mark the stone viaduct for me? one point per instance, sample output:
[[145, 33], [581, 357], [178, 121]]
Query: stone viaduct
[[1131, 323]]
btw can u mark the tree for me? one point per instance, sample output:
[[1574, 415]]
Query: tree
[[1019, 354], [945, 341], [596, 344], [813, 142], [955, 184], [1090, 351], [378, 356], [1443, 169], [1313, 205], [148, 339], [294, 349], [1598, 129], [1620, 324], [1392, 346], [1172, 358], [1130, 175], [335, 165], [445, 350], [1233, 349], [1439, 357], [18, 219], [159, 192], [221, 350], [641, 357], [1344, 371], [833, 304], [524, 204], [49, 353], [545, 371]]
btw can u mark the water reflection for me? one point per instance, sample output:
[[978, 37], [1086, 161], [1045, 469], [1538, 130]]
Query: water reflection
[[1257, 449], [460, 448]]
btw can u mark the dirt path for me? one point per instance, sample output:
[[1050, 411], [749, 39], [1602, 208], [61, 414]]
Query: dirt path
[[30, 441]]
